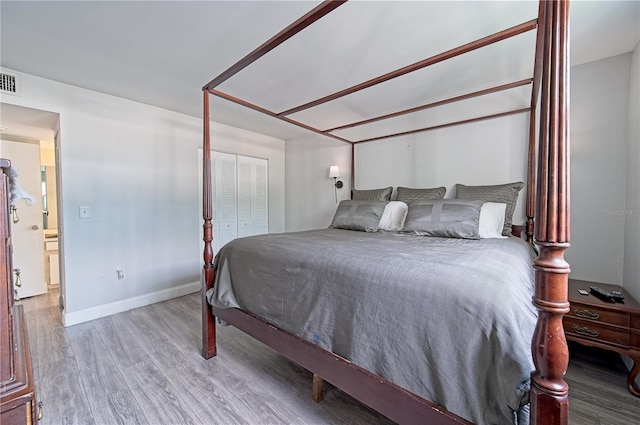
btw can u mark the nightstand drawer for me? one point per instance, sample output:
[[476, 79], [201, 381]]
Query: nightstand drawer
[[595, 331], [634, 338], [600, 315], [634, 341]]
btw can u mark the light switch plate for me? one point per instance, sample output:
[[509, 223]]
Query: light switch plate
[[85, 212]]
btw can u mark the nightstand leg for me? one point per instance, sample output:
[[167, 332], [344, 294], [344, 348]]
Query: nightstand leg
[[635, 371]]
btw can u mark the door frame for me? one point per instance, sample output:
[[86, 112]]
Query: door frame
[[19, 120]]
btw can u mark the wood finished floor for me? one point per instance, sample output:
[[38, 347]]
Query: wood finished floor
[[144, 367]]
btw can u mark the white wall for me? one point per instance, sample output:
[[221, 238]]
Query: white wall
[[136, 167], [309, 196], [485, 152], [385, 163], [489, 152], [632, 218], [599, 115]]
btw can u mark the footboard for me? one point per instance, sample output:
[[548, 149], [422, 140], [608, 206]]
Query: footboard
[[378, 393]]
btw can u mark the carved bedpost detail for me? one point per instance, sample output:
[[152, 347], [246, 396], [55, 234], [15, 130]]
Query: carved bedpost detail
[[549, 391], [531, 176], [208, 324], [353, 168]]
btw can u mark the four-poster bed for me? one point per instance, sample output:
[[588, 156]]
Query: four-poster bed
[[547, 226]]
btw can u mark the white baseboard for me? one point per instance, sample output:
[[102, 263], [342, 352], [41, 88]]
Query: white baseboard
[[76, 317]]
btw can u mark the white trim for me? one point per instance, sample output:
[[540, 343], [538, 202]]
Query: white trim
[[92, 313]]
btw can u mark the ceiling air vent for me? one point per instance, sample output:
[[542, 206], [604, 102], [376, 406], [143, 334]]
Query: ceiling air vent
[[9, 84]]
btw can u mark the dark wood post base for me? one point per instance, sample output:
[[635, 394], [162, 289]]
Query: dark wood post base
[[208, 323], [553, 408], [549, 394]]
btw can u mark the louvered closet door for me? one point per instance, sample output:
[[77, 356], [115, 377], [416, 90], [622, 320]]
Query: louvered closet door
[[224, 191], [240, 197], [253, 203]]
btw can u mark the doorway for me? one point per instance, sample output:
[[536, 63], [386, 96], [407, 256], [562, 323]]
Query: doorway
[[29, 139]]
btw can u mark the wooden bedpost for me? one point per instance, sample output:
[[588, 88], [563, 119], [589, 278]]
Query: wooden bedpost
[[531, 176], [353, 168], [208, 323], [549, 391], [535, 91]]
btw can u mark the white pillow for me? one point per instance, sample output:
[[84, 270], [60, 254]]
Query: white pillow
[[491, 220], [393, 216]]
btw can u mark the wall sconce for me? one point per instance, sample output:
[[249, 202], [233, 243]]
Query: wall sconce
[[334, 172], [14, 214]]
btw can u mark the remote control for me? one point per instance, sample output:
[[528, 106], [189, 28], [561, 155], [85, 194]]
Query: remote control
[[601, 293], [617, 296]]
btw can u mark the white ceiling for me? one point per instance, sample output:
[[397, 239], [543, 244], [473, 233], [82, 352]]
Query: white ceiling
[[163, 52]]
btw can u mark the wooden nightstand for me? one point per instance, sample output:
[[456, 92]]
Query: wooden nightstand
[[608, 325]]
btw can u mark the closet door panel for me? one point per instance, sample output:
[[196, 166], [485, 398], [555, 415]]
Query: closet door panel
[[239, 189], [261, 196], [225, 222], [245, 198], [252, 196]]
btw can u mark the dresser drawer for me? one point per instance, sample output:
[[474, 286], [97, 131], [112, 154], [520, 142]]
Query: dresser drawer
[[597, 314], [19, 415], [595, 331]]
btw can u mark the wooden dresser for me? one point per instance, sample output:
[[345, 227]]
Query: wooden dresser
[[605, 324], [17, 392]]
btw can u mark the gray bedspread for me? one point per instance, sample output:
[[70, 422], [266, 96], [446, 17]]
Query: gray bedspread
[[448, 319]]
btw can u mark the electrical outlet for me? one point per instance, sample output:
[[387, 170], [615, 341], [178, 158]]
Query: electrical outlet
[[120, 273]]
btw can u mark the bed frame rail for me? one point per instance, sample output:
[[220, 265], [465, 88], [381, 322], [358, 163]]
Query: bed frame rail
[[385, 397]]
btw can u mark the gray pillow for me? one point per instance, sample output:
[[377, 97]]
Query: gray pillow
[[407, 194], [445, 218], [504, 193], [383, 194], [358, 215]]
